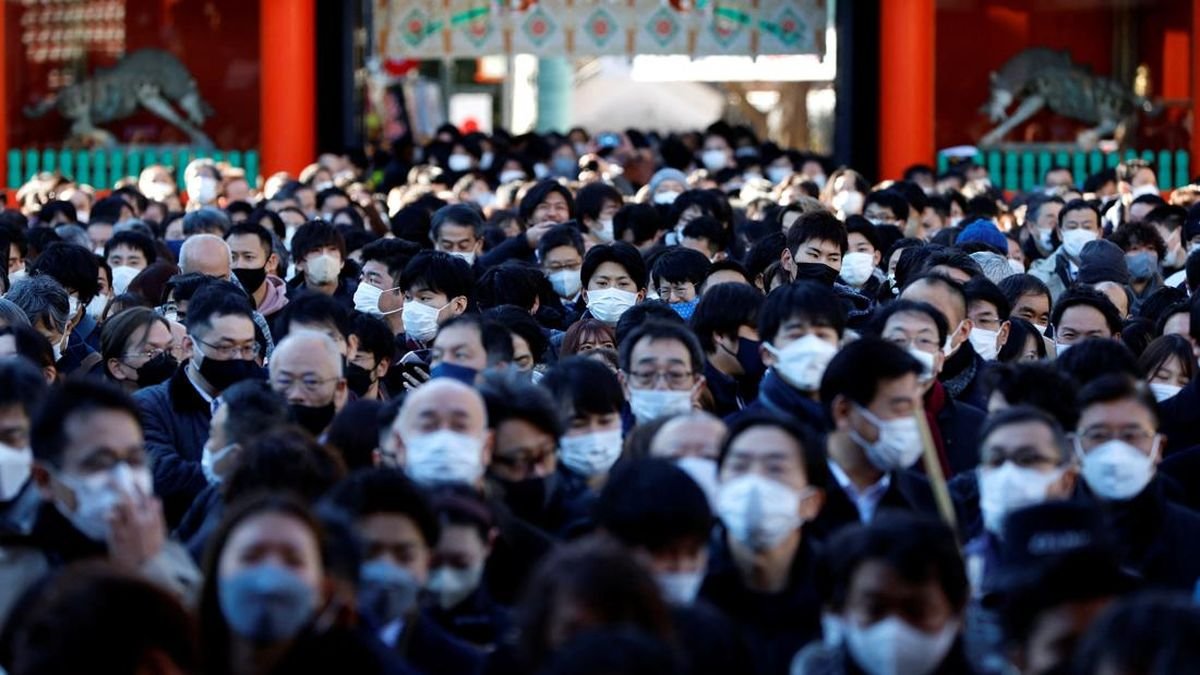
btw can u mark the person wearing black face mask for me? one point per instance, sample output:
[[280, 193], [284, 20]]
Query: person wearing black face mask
[[306, 369], [176, 413], [252, 255], [135, 347], [726, 322], [367, 368]]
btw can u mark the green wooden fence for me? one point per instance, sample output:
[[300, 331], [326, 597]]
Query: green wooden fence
[[1023, 170], [102, 168]]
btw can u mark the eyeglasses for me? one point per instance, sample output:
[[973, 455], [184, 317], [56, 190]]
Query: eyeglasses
[[311, 384], [679, 291], [148, 354], [558, 267], [675, 379], [227, 352], [1135, 436]]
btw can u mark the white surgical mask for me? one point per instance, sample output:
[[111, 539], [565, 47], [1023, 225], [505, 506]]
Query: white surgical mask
[[608, 304], [1148, 189], [714, 160], [450, 585], [96, 495], [1115, 470], [122, 275], [1009, 487], [1163, 391], [443, 456], [566, 283], [1016, 266], [1074, 240], [848, 203], [1045, 237], [894, 647], [210, 458], [322, 269], [899, 445], [1041, 328], [802, 362], [984, 342], [1060, 349], [366, 300], [486, 159], [758, 512], [14, 277], [469, 256], [57, 347], [679, 588], [778, 174], [605, 231], [458, 162], [926, 360], [665, 197], [420, 320], [95, 308], [202, 188], [72, 306], [16, 464], [649, 404], [857, 268], [511, 176], [704, 471], [590, 454]]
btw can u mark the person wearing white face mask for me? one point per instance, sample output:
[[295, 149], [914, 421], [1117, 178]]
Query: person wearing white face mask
[[666, 185], [560, 253], [203, 183], [320, 254], [1119, 447], [860, 265], [79, 274], [1079, 223], [22, 388], [457, 229], [614, 279], [443, 433], [1083, 313], [1169, 366], [988, 310], [919, 329], [903, 594], [961, 373], [93, 476], [872, 392], [595, 206], [661, 370], [436, 286]]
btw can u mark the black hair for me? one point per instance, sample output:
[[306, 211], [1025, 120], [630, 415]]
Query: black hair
[[583, 386], [805, 300], [538, 193], [1115, 386], [722, 310], [254, 408], [589, 200], [456, 214], [132, 239], [355, 431], [507, 396], [48, 435], [817, 226], [1037, 384], [617, 252], [764, 253], [953, 287], [438, 272], [1018, 285], [812, 448], [107, 211], [886, 312], [625, 650], [859, 367], [954, 258], [286, 458], [654, 330], [1079, 205], [253, 229], [728, 265], [1019, 331], [72, 266], [510, 283], [54, 208], [1129, 235], [393, 253], [522, 324], [120, 328], [1142, 633], [650, 310], [710, 229], [890, 198], [495, 338], [1024, 414], [31, 345], [981, 289], [864, 227], [1161, 303], [388, 491], [1096, 357], [313, 309], [374, 337], [206, 220], [1086, 296], [21, 384], [678, 265], [328, 192], [558, 236], [631, 507], [642, 220], [216, 298], [1163, 348], [314, 235]]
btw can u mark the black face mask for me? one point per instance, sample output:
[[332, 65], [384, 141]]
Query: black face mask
[[314, 419], [530, 498], [251, 280], [158, 369], [359, 379], [224, 374]]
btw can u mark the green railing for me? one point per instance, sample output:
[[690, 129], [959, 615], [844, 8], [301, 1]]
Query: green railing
[[1022, 170], [102, 168]]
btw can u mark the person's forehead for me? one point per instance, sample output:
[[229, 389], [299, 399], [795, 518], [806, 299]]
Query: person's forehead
[[981, 307], [611, 270], [1115, 413], [764, 440], [553, 199], [912, 322], [1029, 432], [662, 349], [375, 267], [13, 417], [312, 359], [458, 336], [234, 326], [1078, 314], [564, 253], [857, 238], [244, 242], [454, 401], [453, 229], [1079, 215]]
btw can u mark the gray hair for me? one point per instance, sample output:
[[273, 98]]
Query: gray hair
[[43, 300], [134, 225], [206, 220], [11, 314], [74, 234], [995, 266]]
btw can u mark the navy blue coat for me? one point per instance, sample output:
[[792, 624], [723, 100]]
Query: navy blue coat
[[175, 421]]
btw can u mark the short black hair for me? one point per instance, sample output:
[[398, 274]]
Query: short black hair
[[107, 211], [314, 235], [619, 252], [589, 200], [48, 436], [72, 266], [21, 384], [1024, 414], [438, 272], [1018, 285], [328, 192], [581, 386], [812, 448], [864, 227], [213, 299], [558, 236], [1092, 358], [859, 367], [456, 214], [31, 345], [678, 265], [1038, 384], [654, 330], [806, 300], [1142, 632], [254, 408], [522, 324], [648, 310], [709, 228], [508, 396], [722, 310], [1080, 205], [374, 337], [981, 289], [538, 193], [393, 253], [953, 287], [388, 491], [1129, 235], [206, 220], [632, 509], [729, 265], [819, 226], [250, 228], [512, 282], [286, 458], [886, 312], [643, 221], [132, 239], [495, 338], [953, 258], [1117, 387], [889, 198], [1086, 296]]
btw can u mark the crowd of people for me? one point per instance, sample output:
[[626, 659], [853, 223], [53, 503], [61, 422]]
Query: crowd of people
[[623, 404]]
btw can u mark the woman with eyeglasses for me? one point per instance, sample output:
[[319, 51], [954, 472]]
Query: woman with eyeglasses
[[136, 349]]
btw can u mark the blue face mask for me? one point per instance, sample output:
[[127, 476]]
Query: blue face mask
[[176, 245], [266, 603], [685, 309], [750, 358], [386, 591], [455, 372]]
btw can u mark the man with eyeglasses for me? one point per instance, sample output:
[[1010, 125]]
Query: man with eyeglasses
[[176, 413], [661, 370], [1119, 447], [306, 369]]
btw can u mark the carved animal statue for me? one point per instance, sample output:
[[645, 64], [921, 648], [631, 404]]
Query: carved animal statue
[[148, 78], [1043, 78]]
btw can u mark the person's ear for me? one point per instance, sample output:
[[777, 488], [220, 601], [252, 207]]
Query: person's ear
[[488, 440], [810, 505], [341, 394], [840, 411], [1002, 335], [767, 357], [786, 261], [382, 369], [459, 305], [273, 262], [939, 362], [697, 391], [114, 368], [537, 304], [583, 298], [877, 258], [352, 345], [641, 295], [624, 383]]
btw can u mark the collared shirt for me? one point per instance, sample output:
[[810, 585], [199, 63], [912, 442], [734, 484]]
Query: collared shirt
[[390, 633], [866, 501], [213, 402]]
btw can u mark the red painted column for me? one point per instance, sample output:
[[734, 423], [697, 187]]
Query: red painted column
[[4, 107], [1194, 150], [906, 44], [287, 98]]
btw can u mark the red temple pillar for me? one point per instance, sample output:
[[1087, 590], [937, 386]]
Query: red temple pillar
[[906, 44], [1194, 149], [287, 99]]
